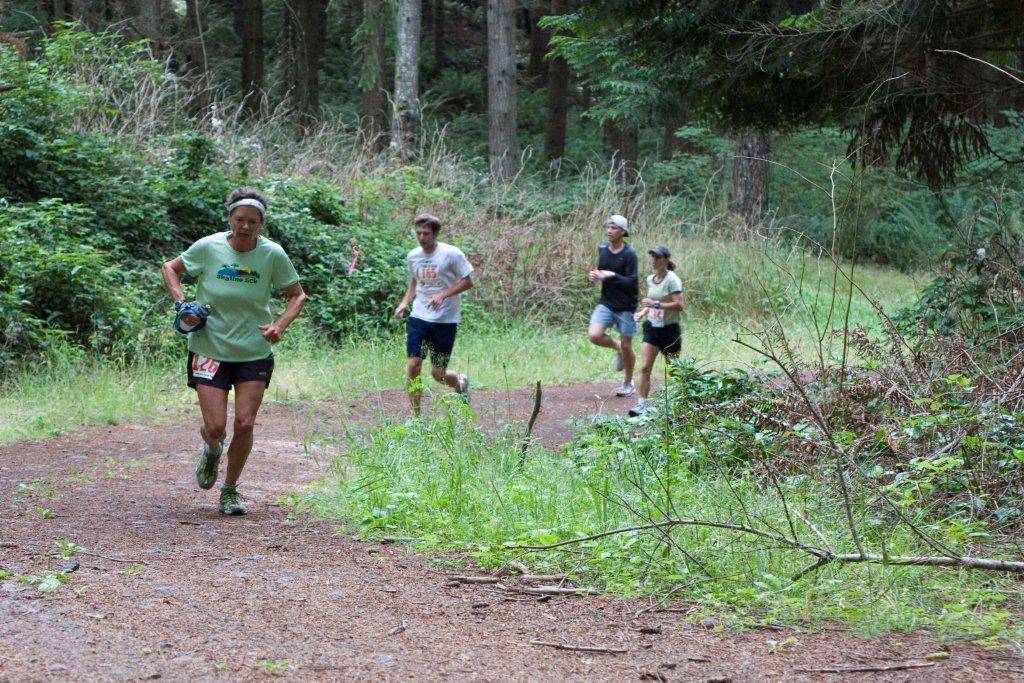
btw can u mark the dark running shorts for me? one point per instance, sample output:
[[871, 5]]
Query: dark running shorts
[[668, 338], [438, 338], [224, 374]]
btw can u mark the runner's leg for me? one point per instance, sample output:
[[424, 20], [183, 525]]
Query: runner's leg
[[248, 397], [413, 369], [628, 358], [213, 402], [599, 336], [442, 342], [649, 354], [443, 375]]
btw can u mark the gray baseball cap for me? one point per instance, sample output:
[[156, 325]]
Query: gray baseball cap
[[619, 222]]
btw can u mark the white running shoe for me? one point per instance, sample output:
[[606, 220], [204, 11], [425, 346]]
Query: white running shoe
[[619, 363], [464, 387], [627, 389], [639, 409]]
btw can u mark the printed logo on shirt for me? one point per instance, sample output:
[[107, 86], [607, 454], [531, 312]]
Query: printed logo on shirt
[[237, 273]]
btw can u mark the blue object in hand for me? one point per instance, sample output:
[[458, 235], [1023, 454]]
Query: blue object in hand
[[195, 311]]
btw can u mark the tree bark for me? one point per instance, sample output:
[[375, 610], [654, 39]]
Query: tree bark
[[305, 21], [751, 172], [196, 66], [440, 54], [406, 119], [622, 139], [250, 15], [558, 98], [502, 146], [149, 24], [373, 118], [537, 69]]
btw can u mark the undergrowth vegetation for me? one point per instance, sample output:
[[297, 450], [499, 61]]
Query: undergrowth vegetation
[[101, 179]]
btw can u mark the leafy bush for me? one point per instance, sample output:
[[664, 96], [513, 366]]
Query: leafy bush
[[52, 276]]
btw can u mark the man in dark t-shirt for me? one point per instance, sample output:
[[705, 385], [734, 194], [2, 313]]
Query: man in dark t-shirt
[[617, 272]]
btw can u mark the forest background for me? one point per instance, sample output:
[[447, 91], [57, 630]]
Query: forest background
[[839, 181]]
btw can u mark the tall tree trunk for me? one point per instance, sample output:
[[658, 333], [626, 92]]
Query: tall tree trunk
[[373, 119], [250, 15], [669, 142], [440, 54], [305, 30], [406, 120], [750, 175], [502, 147], [149, 24], [80, 12], [197, 73], [60, 10], [537, 68], [558, 98], [623, 140]]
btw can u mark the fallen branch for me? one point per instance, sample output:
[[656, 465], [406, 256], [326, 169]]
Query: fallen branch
[[580, 648], [823, 556], [681, 522], [533, 418], [919, 561], [398, 629], [864, 669], [557, 590], [475, 579], [528, 578]]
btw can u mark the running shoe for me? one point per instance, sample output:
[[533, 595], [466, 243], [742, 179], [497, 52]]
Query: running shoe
[[231, 502], [464, 387], [209, 466], [639, 409], [619, 364], [627, 389]]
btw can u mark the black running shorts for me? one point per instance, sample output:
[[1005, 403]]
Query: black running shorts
[[225, 374], [668, 339]]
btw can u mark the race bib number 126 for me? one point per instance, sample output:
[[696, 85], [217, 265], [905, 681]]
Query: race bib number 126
[[203, 367]]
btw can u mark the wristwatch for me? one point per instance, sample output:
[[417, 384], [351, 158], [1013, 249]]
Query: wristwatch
[[657, 305]]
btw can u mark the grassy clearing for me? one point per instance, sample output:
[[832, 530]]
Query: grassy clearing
[[67, 392], [63, 394], [457, 489]]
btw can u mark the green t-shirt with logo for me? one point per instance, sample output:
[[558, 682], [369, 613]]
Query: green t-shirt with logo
[[237, 286], [660, 291]]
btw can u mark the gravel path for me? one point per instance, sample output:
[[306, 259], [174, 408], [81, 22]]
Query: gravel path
[[170, 589]]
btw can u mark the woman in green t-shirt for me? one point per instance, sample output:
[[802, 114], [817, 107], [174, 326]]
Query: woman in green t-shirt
[[662, 306], [236, 272]]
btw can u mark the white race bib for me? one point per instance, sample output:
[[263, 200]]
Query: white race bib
[[203, 367], [657, 317]]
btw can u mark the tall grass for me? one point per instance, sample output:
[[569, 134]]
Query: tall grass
[[450, 487], [66, 392]]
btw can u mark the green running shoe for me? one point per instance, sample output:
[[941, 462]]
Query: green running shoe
[[208, 467], [231, 502]]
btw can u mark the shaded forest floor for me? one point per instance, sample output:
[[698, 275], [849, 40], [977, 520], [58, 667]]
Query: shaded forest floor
[[168, 588]]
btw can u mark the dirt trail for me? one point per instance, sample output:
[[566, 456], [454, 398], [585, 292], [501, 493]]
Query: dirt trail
[[173, 590]]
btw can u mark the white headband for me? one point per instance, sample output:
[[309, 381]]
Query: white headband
[[255, 203]]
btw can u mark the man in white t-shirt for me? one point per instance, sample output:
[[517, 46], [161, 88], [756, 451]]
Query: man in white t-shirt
[[438, 274]]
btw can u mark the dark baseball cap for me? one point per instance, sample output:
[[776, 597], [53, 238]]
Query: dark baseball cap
[[660, 250]]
